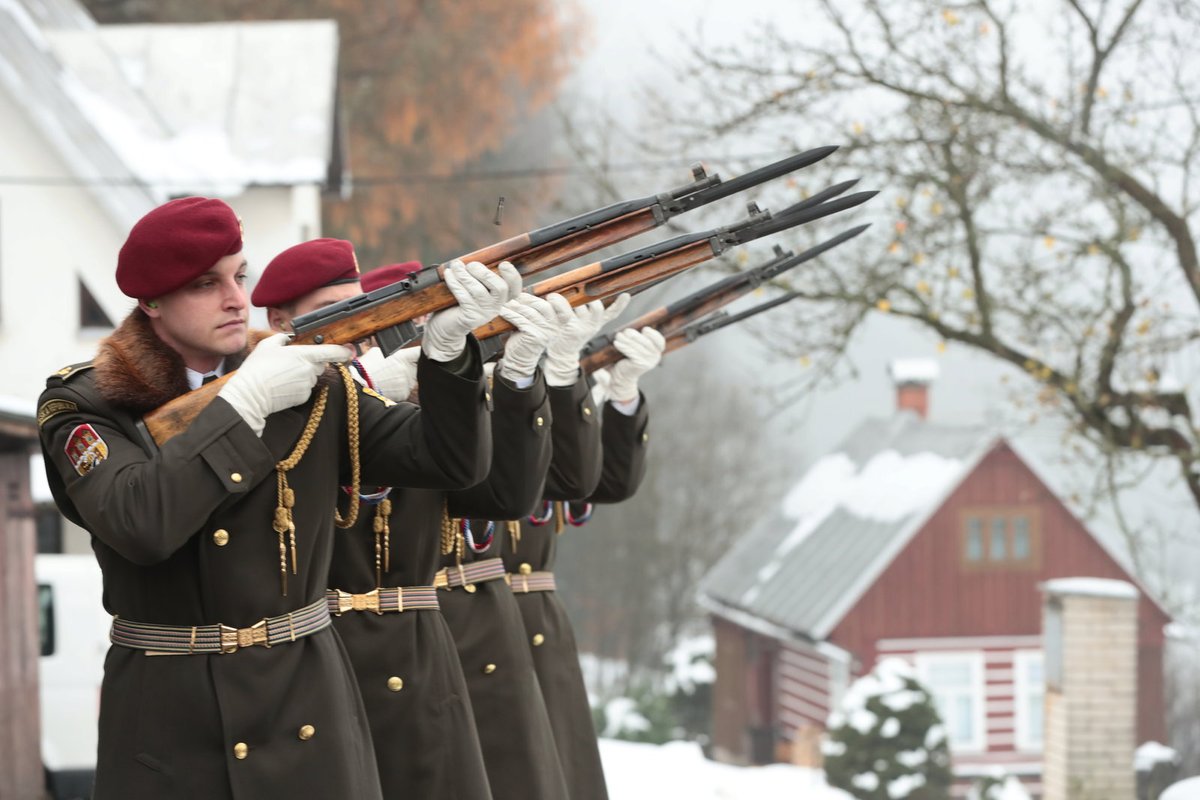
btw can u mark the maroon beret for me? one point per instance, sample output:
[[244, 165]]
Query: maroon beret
[[175, 243], [303, 268], [389, 274]]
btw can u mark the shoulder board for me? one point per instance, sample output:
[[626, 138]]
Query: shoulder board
[[66, 373]]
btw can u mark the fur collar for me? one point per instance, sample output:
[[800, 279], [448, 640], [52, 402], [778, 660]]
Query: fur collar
[[134, 369]]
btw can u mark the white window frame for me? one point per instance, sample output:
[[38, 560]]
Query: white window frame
[[1027, 739], [974, 658]]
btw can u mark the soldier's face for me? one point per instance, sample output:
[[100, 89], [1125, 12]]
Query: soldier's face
[[280, 319], [205, 320]]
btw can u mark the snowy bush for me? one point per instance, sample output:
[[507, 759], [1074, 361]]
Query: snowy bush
[[886, 742], [674, 705]]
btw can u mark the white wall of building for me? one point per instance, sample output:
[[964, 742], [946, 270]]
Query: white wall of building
[[51, 236]]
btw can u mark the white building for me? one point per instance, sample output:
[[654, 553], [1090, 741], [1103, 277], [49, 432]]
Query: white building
[[103, 123]]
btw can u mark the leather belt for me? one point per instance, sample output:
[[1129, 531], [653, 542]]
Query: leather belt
[[383, 600], [467, 575], [525, 582], [199, 639]]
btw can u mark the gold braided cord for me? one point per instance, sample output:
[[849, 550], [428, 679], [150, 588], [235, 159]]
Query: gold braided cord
[[383, 546], [560, 516], [514, 533], [285, 497], [448, 533], [352, 424]]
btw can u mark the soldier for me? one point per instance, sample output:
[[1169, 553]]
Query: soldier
[[529, 552], [381, 578], [514, 728], [225, 679]]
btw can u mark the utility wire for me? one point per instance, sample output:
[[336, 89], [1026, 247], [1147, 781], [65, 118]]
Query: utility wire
[[403, 178]]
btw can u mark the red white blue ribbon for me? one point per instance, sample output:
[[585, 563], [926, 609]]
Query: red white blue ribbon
[[485, 542], [582, 518], [537, 520]]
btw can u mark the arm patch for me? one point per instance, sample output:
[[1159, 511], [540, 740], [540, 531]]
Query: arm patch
[[52, 408]]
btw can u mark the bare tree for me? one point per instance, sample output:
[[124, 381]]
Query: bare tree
[[1039, 159], [629, 576]]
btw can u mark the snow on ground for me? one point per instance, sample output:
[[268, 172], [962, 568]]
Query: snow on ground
[[1184, 790], [678, 769]]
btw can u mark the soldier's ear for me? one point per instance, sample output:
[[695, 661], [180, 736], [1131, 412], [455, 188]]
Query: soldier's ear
[[279, 320], [149, 308]]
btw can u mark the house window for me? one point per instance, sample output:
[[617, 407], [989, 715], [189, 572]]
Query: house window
[[91, 314], [1002, 537], [956, 682], [974, 539], [1052, 644], [1020, 538], [46, 618], [1030, 693], [998, 549]]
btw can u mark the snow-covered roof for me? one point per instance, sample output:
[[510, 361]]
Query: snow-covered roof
[[209, 108], [35, 79], [804, 565], [17, 407], [1091, 587], [141, 113], [913, 370]]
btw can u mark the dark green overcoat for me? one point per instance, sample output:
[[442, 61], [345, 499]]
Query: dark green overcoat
[[184, 537]]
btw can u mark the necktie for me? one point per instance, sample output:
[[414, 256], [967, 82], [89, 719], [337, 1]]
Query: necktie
[[209, 378]]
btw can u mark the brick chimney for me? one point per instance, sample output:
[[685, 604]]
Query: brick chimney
[[1090, 641], [912, 377]]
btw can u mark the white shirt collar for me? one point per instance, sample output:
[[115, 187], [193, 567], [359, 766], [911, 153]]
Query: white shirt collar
[[196, 379]]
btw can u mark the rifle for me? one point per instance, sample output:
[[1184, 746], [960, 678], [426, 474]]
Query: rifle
[[671, 318], [561, 242], [722, 319], [381, 312], [606, 279]]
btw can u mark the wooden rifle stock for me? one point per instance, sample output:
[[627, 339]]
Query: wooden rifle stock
[[592, 282]]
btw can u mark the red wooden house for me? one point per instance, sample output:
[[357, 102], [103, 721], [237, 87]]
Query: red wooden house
[[916, 540]]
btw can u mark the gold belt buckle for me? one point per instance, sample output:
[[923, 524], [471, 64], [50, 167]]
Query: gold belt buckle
[[441, 579], [233, 639], [358, 602]]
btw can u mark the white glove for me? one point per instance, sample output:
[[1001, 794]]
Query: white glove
[[601, 379], [578, 326], [392, 376], [536, 324], [480, 293], [274, 377], [642, 350]]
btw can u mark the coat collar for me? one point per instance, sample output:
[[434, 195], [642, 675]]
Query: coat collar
[[136, 370]]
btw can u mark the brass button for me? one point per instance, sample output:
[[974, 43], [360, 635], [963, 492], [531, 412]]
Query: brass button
[[488, 669], [395, 684], [469, 588], [241, 750], [645, 437], [587, 411], [525, 569], [236, 477], [538, 639], [220, 537], [487, 396], [307, 732], [540, 422]]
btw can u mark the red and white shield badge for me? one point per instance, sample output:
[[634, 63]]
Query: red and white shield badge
[[85, 449]]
